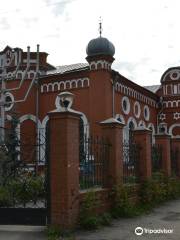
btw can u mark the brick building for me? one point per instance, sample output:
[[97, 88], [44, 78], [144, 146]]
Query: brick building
[[100, 91]]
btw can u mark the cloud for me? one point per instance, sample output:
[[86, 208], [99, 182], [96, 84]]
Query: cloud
[[4, 24]]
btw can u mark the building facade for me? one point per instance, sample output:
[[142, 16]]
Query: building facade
[[100, 92]]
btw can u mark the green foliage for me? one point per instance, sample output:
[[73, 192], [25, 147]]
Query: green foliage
[[158, 190], [89, 218], [122, 206], [152, 192], [105, 219], [5, 199], [22, 190], [56, 233], [53, 232]]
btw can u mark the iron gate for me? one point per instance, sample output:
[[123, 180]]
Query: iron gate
[[23, 178], [174, 160], [156, 158]]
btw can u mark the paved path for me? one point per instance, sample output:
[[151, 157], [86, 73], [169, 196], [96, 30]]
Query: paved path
[[22, 233], [166, 216]]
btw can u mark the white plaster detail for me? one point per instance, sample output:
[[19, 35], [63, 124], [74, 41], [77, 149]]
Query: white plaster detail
[[33, 118], [142, 124], [100, 64], [162, 116], [170, 73], [172, 127], [171, 104], [63, 85], [174, 74], [120, 118], [137, 109], [58, 103], [8, 117], [176, 115], [11, 104], [162, 127], [119, 87], [146, 113], [133, 120], [126, 128], [125, 105]]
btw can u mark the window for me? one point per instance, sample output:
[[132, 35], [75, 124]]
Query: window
[[137, 109], [125, 105], [146, 113], [9, 101]]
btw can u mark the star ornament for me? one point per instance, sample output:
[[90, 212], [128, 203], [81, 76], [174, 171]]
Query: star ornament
[[176, 115], [162, 116]]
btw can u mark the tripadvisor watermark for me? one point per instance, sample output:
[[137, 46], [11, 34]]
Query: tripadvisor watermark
[[139, 231]]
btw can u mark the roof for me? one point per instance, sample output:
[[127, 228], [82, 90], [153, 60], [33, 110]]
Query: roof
[[152, 88], [69, 68], [100, 46]]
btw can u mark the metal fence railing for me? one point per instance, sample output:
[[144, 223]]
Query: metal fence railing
[[156, 157], [94, 158], [131, 154], [174, 159]]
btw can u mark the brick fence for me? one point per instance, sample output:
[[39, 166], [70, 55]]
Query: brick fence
[[65, 194]]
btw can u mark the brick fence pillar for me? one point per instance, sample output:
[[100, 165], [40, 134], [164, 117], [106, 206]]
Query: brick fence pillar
[[175, 144], [142, 137], [113, 131], [164, 141], [64, 168]]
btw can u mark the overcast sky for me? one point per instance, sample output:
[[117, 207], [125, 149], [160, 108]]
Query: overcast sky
[[146, 33]]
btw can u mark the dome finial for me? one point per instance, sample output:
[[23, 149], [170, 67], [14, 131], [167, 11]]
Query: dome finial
[[100, 26]]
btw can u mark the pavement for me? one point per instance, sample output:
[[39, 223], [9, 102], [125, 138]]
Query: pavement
[[15, 232], [161, 224], [154, 225]]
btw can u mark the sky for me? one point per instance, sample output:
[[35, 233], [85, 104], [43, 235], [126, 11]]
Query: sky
[[145, 33]]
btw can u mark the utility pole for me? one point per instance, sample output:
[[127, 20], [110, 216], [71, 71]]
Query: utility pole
[[3, 89]]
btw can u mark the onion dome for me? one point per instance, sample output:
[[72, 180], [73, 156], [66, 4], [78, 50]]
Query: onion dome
[[100, 46]]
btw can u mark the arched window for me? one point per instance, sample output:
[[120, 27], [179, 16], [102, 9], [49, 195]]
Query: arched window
[[131, 131]]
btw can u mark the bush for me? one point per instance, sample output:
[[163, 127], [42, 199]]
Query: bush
[[54, 232], [122, 206], [159, 189], [22, 189], [89, 218], [5, 199]]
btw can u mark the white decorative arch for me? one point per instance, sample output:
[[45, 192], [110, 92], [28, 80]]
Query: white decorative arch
[[120, 116], [44, 122], [34, 119], [172, 127], [126, 128], [8, 117], [131, 119], [141, 123], [151, 126]]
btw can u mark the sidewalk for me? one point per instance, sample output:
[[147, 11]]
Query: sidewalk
[[166, 216], [22, 233]]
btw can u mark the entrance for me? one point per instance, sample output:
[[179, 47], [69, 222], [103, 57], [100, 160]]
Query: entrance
[[23, 178]]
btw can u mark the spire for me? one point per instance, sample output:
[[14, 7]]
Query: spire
[[100, 26]]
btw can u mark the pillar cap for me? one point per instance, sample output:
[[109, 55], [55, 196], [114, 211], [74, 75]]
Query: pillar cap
[[142, 128], [65, 110], [112, 121]]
